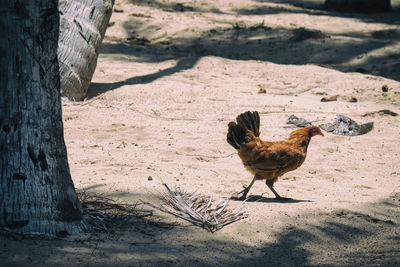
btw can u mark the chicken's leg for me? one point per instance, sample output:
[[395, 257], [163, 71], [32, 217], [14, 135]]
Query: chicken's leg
[[247, 189], [270, 184]]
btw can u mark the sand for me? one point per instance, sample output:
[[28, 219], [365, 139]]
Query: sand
[[170, 77]]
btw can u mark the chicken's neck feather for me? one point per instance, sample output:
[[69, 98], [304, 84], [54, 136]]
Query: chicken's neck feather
[[300, 137]]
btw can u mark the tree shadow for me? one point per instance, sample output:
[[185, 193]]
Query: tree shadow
[[344, 51], [312, 7], [182, 64], [363, 236], [291, 6], [177, 6], [318, 7]]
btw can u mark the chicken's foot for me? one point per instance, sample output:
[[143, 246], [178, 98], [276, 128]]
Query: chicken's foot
[[277, 196], [246, 190]]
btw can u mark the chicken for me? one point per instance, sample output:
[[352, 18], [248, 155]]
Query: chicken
[[267, 160]]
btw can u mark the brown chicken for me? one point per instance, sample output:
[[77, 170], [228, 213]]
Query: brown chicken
[[267, 160]]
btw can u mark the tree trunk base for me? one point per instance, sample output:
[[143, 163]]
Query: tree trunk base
[[51, 228]]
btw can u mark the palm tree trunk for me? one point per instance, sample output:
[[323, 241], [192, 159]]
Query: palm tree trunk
[[83, 25], [37, 195]]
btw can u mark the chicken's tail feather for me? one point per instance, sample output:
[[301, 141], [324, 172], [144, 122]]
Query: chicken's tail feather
[[236, 135], [250, 121], [237, 132]]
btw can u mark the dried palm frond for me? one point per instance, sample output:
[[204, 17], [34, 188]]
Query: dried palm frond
[[198, 209]]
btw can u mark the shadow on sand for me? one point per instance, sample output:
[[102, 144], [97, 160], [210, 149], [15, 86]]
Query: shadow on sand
[[368, 236], [263, 43], [258, 198]]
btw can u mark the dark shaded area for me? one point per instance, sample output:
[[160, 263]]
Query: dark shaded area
[[31, 154], [16, 224], [42, 160], [19, 176], [259, 42], [368, 237], [322, 7], [67, 211], [382, 112], [258, 198], [171, 6], [364, 6], [183, 63], [314, 7]]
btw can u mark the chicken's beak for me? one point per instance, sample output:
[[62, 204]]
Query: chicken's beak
[[317, 131]]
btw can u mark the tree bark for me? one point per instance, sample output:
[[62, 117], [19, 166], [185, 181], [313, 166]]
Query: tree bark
[[37, 195], [367, 6], [83, 25]]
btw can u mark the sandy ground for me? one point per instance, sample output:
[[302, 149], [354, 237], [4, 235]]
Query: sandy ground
[[171, 76]]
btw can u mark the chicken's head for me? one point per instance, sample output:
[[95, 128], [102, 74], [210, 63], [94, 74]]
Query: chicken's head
[[314, 130]]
